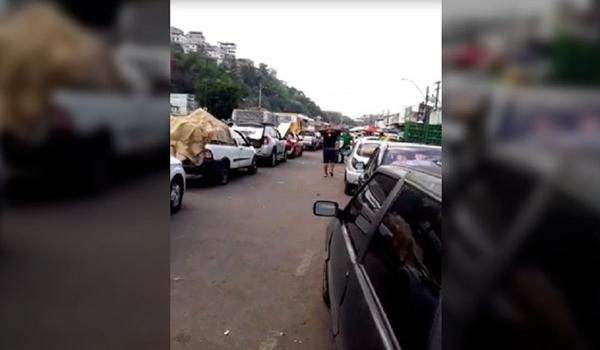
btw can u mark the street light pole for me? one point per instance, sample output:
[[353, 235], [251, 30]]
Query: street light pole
[[415, 84], [259, 95]]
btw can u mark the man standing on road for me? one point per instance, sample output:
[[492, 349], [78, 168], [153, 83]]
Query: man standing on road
[[330, 136]]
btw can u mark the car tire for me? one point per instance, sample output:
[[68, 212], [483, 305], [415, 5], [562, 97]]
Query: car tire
[[253, 168], [325, 287], [273, 160], [176, 194], [223, 176]]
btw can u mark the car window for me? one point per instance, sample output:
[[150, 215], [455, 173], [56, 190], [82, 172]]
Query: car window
[[239, 139], [277, 134], [403, 263], [411, 156], [252, 132], [361, 211], [367, 149]]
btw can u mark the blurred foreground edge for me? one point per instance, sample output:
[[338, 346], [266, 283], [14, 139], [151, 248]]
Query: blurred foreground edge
[[522, 162], [84, 215]]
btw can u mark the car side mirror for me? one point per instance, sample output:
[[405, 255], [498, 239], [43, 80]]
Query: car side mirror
[[360, 166], [325, 208]]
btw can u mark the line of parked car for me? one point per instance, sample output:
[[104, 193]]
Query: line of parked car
[[254, 143]]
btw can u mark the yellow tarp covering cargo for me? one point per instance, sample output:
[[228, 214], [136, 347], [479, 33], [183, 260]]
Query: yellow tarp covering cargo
[[190, 133]]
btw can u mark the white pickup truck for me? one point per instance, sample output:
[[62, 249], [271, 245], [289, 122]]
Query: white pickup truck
[[218, 159]]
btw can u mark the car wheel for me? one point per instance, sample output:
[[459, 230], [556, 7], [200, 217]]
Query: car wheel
[[223, 177], [273, 161], [176, 194], [253, 169], [325, 288]]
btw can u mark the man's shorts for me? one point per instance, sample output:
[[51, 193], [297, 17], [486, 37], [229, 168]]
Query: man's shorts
[[329, 155]]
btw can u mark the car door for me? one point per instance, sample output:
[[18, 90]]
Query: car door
[[280, 142], [351, 235], [245, 153], [398, 274]]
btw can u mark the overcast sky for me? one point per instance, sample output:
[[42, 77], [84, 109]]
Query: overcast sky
[[347, 57]]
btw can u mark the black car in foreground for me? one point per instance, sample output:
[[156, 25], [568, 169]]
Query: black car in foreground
[[382, 270]]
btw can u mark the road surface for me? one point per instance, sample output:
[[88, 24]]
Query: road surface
[[247, 260]]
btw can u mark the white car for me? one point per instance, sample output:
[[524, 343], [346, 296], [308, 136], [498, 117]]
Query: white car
[[177, 184], [268, 143], [218, 159], [355, 163]]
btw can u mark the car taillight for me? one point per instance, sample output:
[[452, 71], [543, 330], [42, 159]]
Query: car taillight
[[265, 140], [207, 154]]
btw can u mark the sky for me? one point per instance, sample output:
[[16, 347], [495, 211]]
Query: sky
[[348, 57]]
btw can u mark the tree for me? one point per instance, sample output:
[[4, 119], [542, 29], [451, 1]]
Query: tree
[[223, 96]]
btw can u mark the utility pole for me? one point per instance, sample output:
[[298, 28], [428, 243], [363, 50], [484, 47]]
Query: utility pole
[[205, 82], [259, 95], [437, 94]]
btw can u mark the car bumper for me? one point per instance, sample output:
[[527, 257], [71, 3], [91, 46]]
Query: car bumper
[[205, 169], [262, 152], [352, 176]]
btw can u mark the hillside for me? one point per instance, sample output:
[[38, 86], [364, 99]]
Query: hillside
[[235, 84]]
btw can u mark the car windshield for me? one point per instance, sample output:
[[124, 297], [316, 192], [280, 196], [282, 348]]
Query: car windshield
[[412, 156], [367, 149], [253, 132]]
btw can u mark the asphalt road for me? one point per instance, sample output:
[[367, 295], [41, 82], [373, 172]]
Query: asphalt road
[[247, 260]]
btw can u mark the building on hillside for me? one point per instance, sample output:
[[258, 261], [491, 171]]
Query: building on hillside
[[214, 52], [196, 38], [245, 62], [182, 104], [177, 36], [227, 48]]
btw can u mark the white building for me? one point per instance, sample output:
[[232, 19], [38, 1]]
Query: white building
[[177, 36], [227, 48], [182, 104], [187, 47], [196, 38]]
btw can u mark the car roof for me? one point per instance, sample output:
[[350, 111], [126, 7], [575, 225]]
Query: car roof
[[426, 178], [411, 145], [254, 124], [369, 140]]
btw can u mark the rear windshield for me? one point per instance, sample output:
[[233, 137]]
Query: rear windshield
[[252, 132], [307, 133], [412, 156], [367, 149]]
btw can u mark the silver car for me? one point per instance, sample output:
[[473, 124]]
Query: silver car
[[266, 140], [355, 163]]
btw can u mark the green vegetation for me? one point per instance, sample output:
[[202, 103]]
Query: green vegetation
[[233, 84]]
